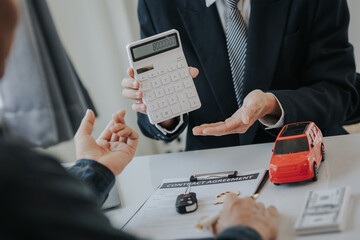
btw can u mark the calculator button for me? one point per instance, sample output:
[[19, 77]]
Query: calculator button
[[175, 76], [159, 92], [163, 103], [184, 72], [166, 112], [180, 65], [194, 102], [162, 71], [169, 89], [156, 116], [172, 99], [175, 109], [145, 86], [178, 86], [171, 68], [188, 83], [141, 77], [153, 106], [179, 58], [165, 79], [156, 83], [149, 96], [152, 74], [190, 92], [184, 103]]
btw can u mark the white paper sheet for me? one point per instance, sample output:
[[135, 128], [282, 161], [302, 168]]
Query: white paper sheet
[[158, 219]]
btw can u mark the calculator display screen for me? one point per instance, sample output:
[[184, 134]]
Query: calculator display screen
[[154, 47]]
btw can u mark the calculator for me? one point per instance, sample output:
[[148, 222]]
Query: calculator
[[160, 66]]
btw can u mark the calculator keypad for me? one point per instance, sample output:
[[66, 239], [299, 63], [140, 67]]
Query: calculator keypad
[[168, 92]]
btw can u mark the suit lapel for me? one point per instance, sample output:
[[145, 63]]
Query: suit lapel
[[207, 36], [267, 24]]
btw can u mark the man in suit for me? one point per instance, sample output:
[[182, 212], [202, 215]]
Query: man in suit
[[262, 64], [41, 200]]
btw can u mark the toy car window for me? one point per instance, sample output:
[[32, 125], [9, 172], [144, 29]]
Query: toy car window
[[312, 135], [310, 140], [314, 129], [294, 129], [293, 145]]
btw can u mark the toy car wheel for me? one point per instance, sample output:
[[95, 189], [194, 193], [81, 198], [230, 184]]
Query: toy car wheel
[[316, 173], [277, 184], [322, 153]]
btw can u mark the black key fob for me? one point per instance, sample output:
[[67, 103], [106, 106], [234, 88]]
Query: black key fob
[[186, 203]]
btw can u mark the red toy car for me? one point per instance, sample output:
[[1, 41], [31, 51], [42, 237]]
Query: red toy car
[[297, 154]]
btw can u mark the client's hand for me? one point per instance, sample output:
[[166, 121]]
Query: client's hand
[[248, 213], [114, 148]]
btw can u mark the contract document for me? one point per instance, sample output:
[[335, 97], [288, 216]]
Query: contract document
[[158, 219]]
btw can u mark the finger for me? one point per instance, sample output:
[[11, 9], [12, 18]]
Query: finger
[[123, 139], [214, 228], [132, 94], [193, 72], [114, 137], [199, 129], [230, 198], [221, 129], [130, 72], [119, 117], [87, 123], [139, 107], [261, 208], [211, 124], [229, 201], [273, 211], [132, 137], [116, 118], [110, 130], [130, 83]]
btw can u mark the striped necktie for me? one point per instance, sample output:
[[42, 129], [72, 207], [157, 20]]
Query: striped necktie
[[236, 39]]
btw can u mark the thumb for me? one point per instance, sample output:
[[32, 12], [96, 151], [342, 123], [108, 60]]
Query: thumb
[[87, 123], [193, 72]]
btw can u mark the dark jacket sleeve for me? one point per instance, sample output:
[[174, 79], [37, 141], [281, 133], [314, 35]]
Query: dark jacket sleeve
[[327, 95], [98, 177], [43, 201], [148, 29], [239, 233]]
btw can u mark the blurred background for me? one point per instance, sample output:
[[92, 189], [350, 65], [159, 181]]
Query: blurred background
[[94, 34]]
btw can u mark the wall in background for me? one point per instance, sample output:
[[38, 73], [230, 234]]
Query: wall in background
[[354, 29], [86, 28], [354, 38]]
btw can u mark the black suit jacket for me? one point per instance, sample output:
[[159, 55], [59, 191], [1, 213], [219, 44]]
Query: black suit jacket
[[297, 49]]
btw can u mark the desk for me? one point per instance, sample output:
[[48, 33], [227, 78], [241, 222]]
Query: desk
[[341, 168]]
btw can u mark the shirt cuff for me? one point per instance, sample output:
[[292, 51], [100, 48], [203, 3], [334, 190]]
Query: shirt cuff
[[166, 131], [271, 122]]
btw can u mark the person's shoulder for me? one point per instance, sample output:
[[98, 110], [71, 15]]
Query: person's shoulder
[[20, 159]]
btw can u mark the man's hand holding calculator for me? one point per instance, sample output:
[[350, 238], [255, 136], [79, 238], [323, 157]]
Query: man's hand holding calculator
[[131, 90]]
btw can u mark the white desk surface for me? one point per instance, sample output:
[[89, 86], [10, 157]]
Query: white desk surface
[[341, 168]]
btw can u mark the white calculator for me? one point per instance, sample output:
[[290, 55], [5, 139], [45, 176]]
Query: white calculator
[[161, 68]]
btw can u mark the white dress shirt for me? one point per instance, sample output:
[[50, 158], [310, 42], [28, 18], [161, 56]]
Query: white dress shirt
[[245, 9]]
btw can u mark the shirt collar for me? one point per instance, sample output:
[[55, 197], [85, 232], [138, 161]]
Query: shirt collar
[[209, 2]]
